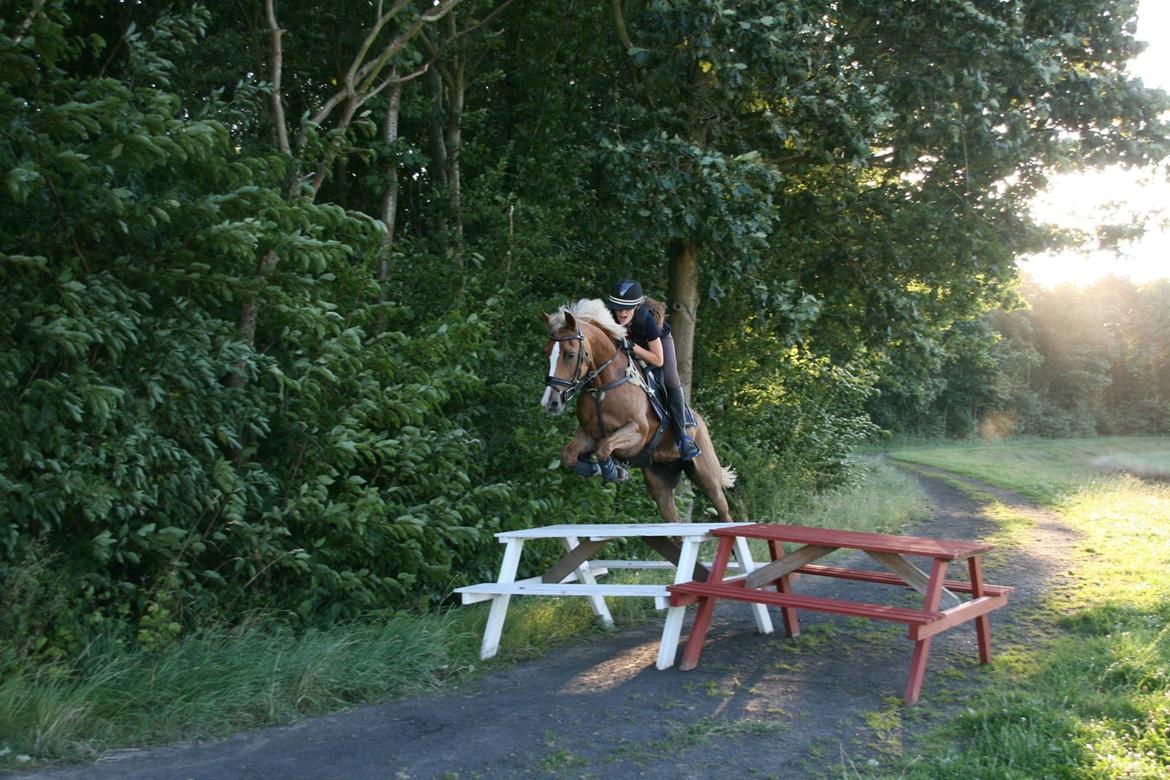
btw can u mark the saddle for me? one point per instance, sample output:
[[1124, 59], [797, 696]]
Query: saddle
[[653, 382]]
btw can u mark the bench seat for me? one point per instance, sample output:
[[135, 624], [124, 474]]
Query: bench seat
[[889, 578], [690, 592]]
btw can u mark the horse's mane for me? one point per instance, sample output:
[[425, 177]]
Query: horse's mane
[[591, 310]]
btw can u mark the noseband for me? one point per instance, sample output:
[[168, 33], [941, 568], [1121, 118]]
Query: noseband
[[571, 388]]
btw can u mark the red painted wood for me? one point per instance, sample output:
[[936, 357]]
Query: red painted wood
[[737, 592], [889, 578], [982, 623], [944, 549], [694, 647], [952, 617], [791, 622], [938, 573]]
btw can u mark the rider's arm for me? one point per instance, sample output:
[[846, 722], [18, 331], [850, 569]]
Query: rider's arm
[[653, 356]]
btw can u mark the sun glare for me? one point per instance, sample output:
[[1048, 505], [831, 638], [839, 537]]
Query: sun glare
[[1114, 197]]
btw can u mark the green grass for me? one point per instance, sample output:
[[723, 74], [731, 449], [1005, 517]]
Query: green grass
[[1082, 689], [1043, 469], [224, 681]]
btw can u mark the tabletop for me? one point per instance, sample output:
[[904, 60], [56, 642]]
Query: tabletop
[[940, 549]]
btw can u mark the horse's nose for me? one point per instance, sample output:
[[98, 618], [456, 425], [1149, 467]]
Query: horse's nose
[[553, 406]]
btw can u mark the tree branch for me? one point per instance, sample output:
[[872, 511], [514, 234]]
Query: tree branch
[[277, 65]]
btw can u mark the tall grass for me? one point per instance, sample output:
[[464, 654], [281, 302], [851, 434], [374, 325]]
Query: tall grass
[[1082, 688]]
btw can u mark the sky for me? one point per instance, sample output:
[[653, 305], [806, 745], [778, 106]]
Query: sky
[[1081, 200]]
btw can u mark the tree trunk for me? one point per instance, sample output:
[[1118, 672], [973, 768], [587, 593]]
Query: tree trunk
[[454, 142], [390, 196], [683, 301]]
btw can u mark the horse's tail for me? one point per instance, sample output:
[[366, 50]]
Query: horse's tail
[[729, 477]]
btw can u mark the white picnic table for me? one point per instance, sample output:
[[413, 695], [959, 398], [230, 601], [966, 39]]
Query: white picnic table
[[576, 574]]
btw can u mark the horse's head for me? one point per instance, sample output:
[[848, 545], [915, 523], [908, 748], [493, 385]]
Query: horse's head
[[568, 360], [580, 346]]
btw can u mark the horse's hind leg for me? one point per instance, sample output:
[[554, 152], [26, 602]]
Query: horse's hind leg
[[706, 472], [662, 479]]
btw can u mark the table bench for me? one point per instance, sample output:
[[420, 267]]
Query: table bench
[[576, 574], [772, 584]]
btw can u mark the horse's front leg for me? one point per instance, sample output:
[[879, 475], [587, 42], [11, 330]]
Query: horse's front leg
[[624, 436], [571, 456]]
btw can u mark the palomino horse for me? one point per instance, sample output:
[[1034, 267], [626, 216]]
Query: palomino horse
[[617, 420]]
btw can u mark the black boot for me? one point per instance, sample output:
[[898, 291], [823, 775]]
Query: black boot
[[678, 411]]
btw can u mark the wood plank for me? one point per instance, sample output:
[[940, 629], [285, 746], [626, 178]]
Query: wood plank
[[912, 575], [670, 551], [889, 578], [530, 588], [573, 558], [769, 573], [960, 614], [663, 565], [615, 530], [737, 592], [942, 549]]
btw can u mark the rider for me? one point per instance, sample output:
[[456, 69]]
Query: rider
[[654, 345]]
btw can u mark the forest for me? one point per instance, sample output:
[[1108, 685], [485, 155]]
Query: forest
[[273, 273]]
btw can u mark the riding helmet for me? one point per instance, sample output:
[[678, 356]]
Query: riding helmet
[[625, 294]]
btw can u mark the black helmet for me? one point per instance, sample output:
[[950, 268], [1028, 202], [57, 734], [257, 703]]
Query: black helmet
[[625, 294]]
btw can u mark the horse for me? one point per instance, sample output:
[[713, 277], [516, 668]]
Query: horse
[[618, 420]]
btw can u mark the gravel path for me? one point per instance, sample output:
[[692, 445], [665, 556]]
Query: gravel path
[[764, 706]]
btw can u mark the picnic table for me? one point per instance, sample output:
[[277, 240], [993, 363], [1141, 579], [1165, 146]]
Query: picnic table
[[576, 574], [772, 584]]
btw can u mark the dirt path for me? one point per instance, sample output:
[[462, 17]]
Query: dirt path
[[764, 706]]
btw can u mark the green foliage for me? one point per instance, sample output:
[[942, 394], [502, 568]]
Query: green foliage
[[163, 460], [226, 392]]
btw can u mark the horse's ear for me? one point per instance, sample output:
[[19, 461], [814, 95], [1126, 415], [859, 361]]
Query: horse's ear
[[569, 321], [547, 318]]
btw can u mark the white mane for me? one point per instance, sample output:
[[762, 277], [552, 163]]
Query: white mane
[[591, 310]]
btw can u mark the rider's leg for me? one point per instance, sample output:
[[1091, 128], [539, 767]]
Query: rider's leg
[[678, 404]]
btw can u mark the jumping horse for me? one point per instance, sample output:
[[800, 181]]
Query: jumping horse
[[617, 420]]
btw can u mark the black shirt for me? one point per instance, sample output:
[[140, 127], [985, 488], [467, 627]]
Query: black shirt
[[643, 328]]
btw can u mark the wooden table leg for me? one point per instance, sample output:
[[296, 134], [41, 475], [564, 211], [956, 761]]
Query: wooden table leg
[[684, 571], [784, 585], [743, 554], [499, 609], [584, 575], [702, 622], [983, 622], [938, 573]]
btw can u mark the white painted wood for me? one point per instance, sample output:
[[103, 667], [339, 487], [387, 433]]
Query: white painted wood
[[534, 587], [471, 594], [604, 564], [913, 576], [744, 554], [499, 609], [616, 530], [585, 575], [672, 626]]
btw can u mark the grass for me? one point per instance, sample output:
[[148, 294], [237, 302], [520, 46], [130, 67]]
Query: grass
[[223, 681], [1083, 690], [1043, 469]]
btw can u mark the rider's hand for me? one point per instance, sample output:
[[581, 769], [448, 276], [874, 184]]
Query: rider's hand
[[625, 344]]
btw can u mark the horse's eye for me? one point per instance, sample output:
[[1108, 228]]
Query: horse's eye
[[570, 355]]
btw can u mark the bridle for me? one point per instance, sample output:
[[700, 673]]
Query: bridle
[[571, 388]]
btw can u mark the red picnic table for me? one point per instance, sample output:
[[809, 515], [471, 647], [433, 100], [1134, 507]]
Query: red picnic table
[[887, 549]]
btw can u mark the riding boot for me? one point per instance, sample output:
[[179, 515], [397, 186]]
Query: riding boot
[[678, 411]]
